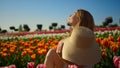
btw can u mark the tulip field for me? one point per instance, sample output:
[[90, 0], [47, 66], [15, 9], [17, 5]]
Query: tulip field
[[24, 50]]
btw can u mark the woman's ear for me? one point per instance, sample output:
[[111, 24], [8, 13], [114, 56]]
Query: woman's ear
[[78, 22]]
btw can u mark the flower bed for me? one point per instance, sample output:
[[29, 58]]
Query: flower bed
[[20, 50]]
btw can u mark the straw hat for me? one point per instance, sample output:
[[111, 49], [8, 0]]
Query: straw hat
[[81, 47]]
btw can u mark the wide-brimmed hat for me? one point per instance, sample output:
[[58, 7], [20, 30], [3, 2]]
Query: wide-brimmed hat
[[81, 47]]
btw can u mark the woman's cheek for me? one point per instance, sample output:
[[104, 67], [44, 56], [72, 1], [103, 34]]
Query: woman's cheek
[[69, 22]]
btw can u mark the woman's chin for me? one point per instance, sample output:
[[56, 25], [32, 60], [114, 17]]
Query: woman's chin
[[68, 24]]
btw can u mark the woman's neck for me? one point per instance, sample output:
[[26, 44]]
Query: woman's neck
[[75, 26]]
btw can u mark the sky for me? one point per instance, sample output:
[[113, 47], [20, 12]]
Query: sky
[[45, 12]]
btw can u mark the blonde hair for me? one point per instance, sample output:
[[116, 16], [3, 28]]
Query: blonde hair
[[85, 19]]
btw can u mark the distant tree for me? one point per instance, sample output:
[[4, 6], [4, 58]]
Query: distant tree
[[20, 28], [50, 27], [16, 29], [39, 26], [59, 28], [26, 27], [113, 25], [105, 24], [54, 25], [0, 29], [12, 27], [107, 21], [119, 20], [62, 26], [4, 31], [98, 26]]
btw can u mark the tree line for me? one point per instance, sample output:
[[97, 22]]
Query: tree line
[[26, 28], [108, 22]]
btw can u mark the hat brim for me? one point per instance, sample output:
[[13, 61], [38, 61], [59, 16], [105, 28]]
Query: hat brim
[[81, 56]]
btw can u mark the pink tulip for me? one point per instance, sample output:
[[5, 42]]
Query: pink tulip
[[30, 65], [72, 66], [116, 60], [41, 66], [4, 67], [12, 66]]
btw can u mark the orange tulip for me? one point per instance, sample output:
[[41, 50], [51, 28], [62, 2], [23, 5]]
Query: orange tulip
[[118, 39], [4, 55], [33, 47], [118, 43], [104, 53], [13, 47], [98, 40], [49, 41], [24, 53], [111, 38], [5, 49], [12, 51], [114, 47], [52, 44], [15, 42], [44, 51], [26, 44], [30, 52], [46, 47], [33, 56], [1, 53], [40, 44], [53, 47], [9, 55], [105, 42], [56, 41], [47, 44], [21, 48], [21, 42], [111, 43], [30, 39], [39, 52], [31, 42], [36, 40]]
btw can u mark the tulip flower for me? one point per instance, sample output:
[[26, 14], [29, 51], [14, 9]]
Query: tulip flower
[[72, 66], [41, 66], [12, 66], [30, 65], [33, 56], [116, 61]]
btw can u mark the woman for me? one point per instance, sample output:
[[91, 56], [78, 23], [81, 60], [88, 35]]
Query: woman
[[80, 48]]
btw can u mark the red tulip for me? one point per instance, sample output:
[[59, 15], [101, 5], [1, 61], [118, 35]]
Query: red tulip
[[116, 60], [4, 67], [72, 66], [30, 65], [41, 66], [12, 66]]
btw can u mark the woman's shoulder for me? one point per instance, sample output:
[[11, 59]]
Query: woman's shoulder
[[63, 40]]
